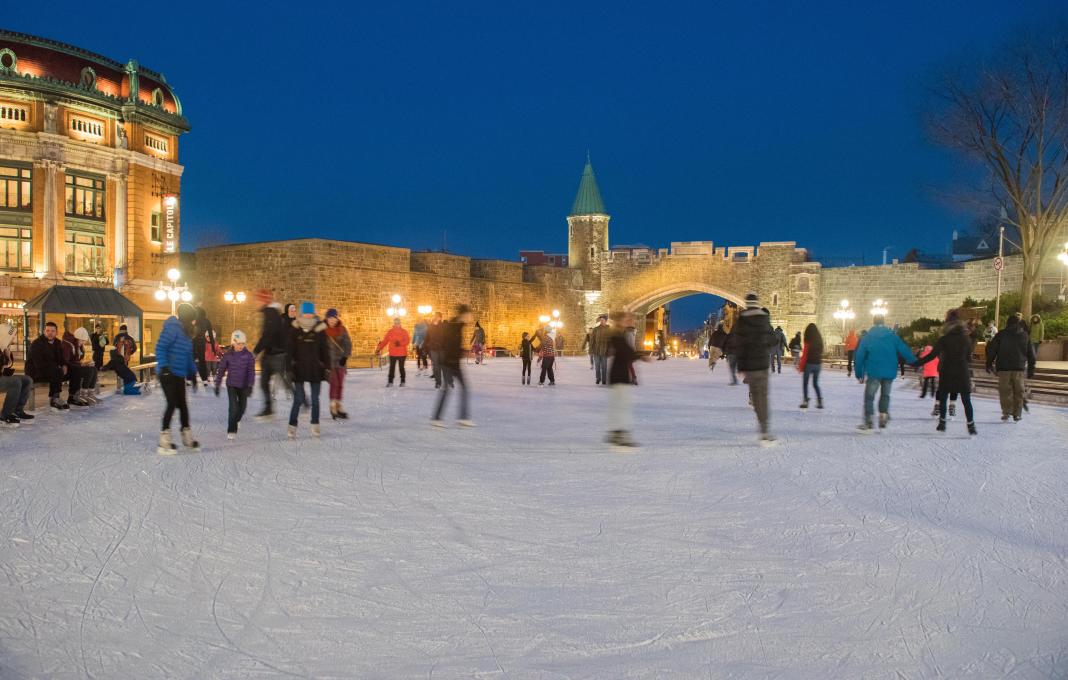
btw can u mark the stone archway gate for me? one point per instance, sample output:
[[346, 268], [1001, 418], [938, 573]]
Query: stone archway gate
[[778, 272]]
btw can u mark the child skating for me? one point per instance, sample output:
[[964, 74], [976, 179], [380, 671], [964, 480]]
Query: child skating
[[239, 367]]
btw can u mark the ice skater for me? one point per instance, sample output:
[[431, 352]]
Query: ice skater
[[877, 359], [239, 367], [621, 383], [810, 364], [396, 341], [175, 365], [547, 358], [1011, 355], [755, 340], [309, 360], [340, 346], [953, 352], [451, 353], [526, 354]]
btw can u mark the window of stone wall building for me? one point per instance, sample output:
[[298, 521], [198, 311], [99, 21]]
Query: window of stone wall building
[[154, 226], [85, 253], [802, 284], [85, 196], [16, 188], [16, 249]]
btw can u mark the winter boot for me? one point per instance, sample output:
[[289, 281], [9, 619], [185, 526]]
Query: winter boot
[[57, 404], [315, 430], [265, 414], [188, 441], [971, 429], [1005, 417], [23, 416], [804, 403], [9, 421], [941, 425], [934, 411], [131, 389], [166, 446]]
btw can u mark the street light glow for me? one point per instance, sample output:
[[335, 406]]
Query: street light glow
[[402, 312], [391, 312], [174, 275], [187, 296], [161, 295], [172, 295], [228, 296], [556, 313], [395, 299], [543, 318], [241, 296]]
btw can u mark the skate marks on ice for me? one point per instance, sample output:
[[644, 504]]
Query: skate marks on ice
[[388, 549]]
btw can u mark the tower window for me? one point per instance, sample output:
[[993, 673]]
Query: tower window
[[592, 253], [154, 227]]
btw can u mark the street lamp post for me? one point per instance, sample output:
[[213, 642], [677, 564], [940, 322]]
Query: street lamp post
[[173, 291], [879, 308], [234, 299], [844, 314], [397, 309]]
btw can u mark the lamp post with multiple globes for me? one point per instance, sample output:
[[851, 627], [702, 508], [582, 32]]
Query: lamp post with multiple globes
[[234, 299], [879, 308], [397, 308], [844, 314], [173, 291]]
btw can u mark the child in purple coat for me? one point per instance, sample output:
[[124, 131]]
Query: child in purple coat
[[239, 367]]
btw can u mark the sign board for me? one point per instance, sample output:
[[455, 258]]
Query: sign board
[[170, 223], [999, 263]]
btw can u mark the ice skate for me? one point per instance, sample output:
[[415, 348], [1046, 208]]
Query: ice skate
[[24, 417], [166, 447], [612, 437], [941, 425], [768, 440], [265, 414], [10, 421], [884, 418], [315, 430], [231, 436], [437, 422], [624, 443], [804, 404], [291, 431], [865, 427], [952, 410], [971, 429], [58, 405], [464, 422], [934, 411], [1005, 417], [188, 441], [819, 403]]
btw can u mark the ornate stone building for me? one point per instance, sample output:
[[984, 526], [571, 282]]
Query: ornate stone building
[[89, 173]]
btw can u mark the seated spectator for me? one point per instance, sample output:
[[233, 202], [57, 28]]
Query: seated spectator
[[73, 355], [90, 389], [16, 388], [123, 373], [45, 363]]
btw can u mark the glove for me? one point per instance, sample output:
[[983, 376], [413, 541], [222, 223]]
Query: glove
[[216, 390], [343, 361], [165, 372]]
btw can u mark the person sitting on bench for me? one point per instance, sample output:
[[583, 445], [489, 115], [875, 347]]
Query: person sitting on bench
[[17, 388], [46, 364], [123, 372]]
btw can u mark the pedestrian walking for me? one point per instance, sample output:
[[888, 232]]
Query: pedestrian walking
[[1011, 355], [396, 341], [174, 364], [953, 352], [526, 354], [239, 367], [621, 395], [309, 361], [878, 354], [755, 340], [810, 364], [339, 345], [271, 347], [452, 374]]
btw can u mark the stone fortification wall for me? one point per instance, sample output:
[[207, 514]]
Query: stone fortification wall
[[358, 279]]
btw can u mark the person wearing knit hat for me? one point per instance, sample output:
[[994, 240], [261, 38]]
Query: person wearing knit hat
[[396, 341], [239, 367], [756, 338], [125, 344], [272, 347], [309, 361], [340, 346], [174, 365]]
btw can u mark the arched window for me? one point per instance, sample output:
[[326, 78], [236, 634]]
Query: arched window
[[803, 284]]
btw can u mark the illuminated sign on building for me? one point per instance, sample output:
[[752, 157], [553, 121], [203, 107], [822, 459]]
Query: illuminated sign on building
[[170, 223]]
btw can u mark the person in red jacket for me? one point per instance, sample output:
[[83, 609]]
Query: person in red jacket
[[851, 343], [397, 340]]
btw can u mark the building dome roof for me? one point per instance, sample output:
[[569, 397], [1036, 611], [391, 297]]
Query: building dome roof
[[54, 67]]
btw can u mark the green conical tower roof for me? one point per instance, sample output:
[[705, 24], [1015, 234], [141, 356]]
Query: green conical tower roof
[[588, 199]]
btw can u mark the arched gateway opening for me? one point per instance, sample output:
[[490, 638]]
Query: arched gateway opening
[[662, 296], [683, 325]]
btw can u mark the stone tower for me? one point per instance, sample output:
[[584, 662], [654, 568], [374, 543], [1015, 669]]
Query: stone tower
[[587, 230]]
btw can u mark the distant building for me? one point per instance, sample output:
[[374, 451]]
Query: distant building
[[540, 257], [970, 247]]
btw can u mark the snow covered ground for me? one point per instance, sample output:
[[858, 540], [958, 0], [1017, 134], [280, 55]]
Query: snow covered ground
[[525, 549]]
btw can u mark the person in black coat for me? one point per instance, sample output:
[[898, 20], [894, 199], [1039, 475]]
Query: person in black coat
[[756, 338], [954, 353], [203, 337], [620, 380], [452, 351], [98, 340], [309, 359], [1010, 355], [526, 353], [46, 363], [272, 347], [731, 346]]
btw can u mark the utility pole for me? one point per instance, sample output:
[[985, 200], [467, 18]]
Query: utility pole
[[1001, 258]]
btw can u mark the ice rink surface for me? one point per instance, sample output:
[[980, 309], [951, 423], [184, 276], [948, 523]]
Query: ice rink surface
[[526, 549]]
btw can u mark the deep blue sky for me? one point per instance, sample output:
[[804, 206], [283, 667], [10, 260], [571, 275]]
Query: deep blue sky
[[392, 122]]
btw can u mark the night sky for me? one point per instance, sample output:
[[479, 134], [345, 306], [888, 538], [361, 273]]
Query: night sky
[[398, 122]]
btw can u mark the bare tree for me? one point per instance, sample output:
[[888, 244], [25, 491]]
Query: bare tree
[[1009, 114]]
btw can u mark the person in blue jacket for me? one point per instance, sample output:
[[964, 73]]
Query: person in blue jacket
[[877, 360], [174, 364]]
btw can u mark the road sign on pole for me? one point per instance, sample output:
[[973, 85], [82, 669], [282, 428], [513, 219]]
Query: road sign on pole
[[999, 263]]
